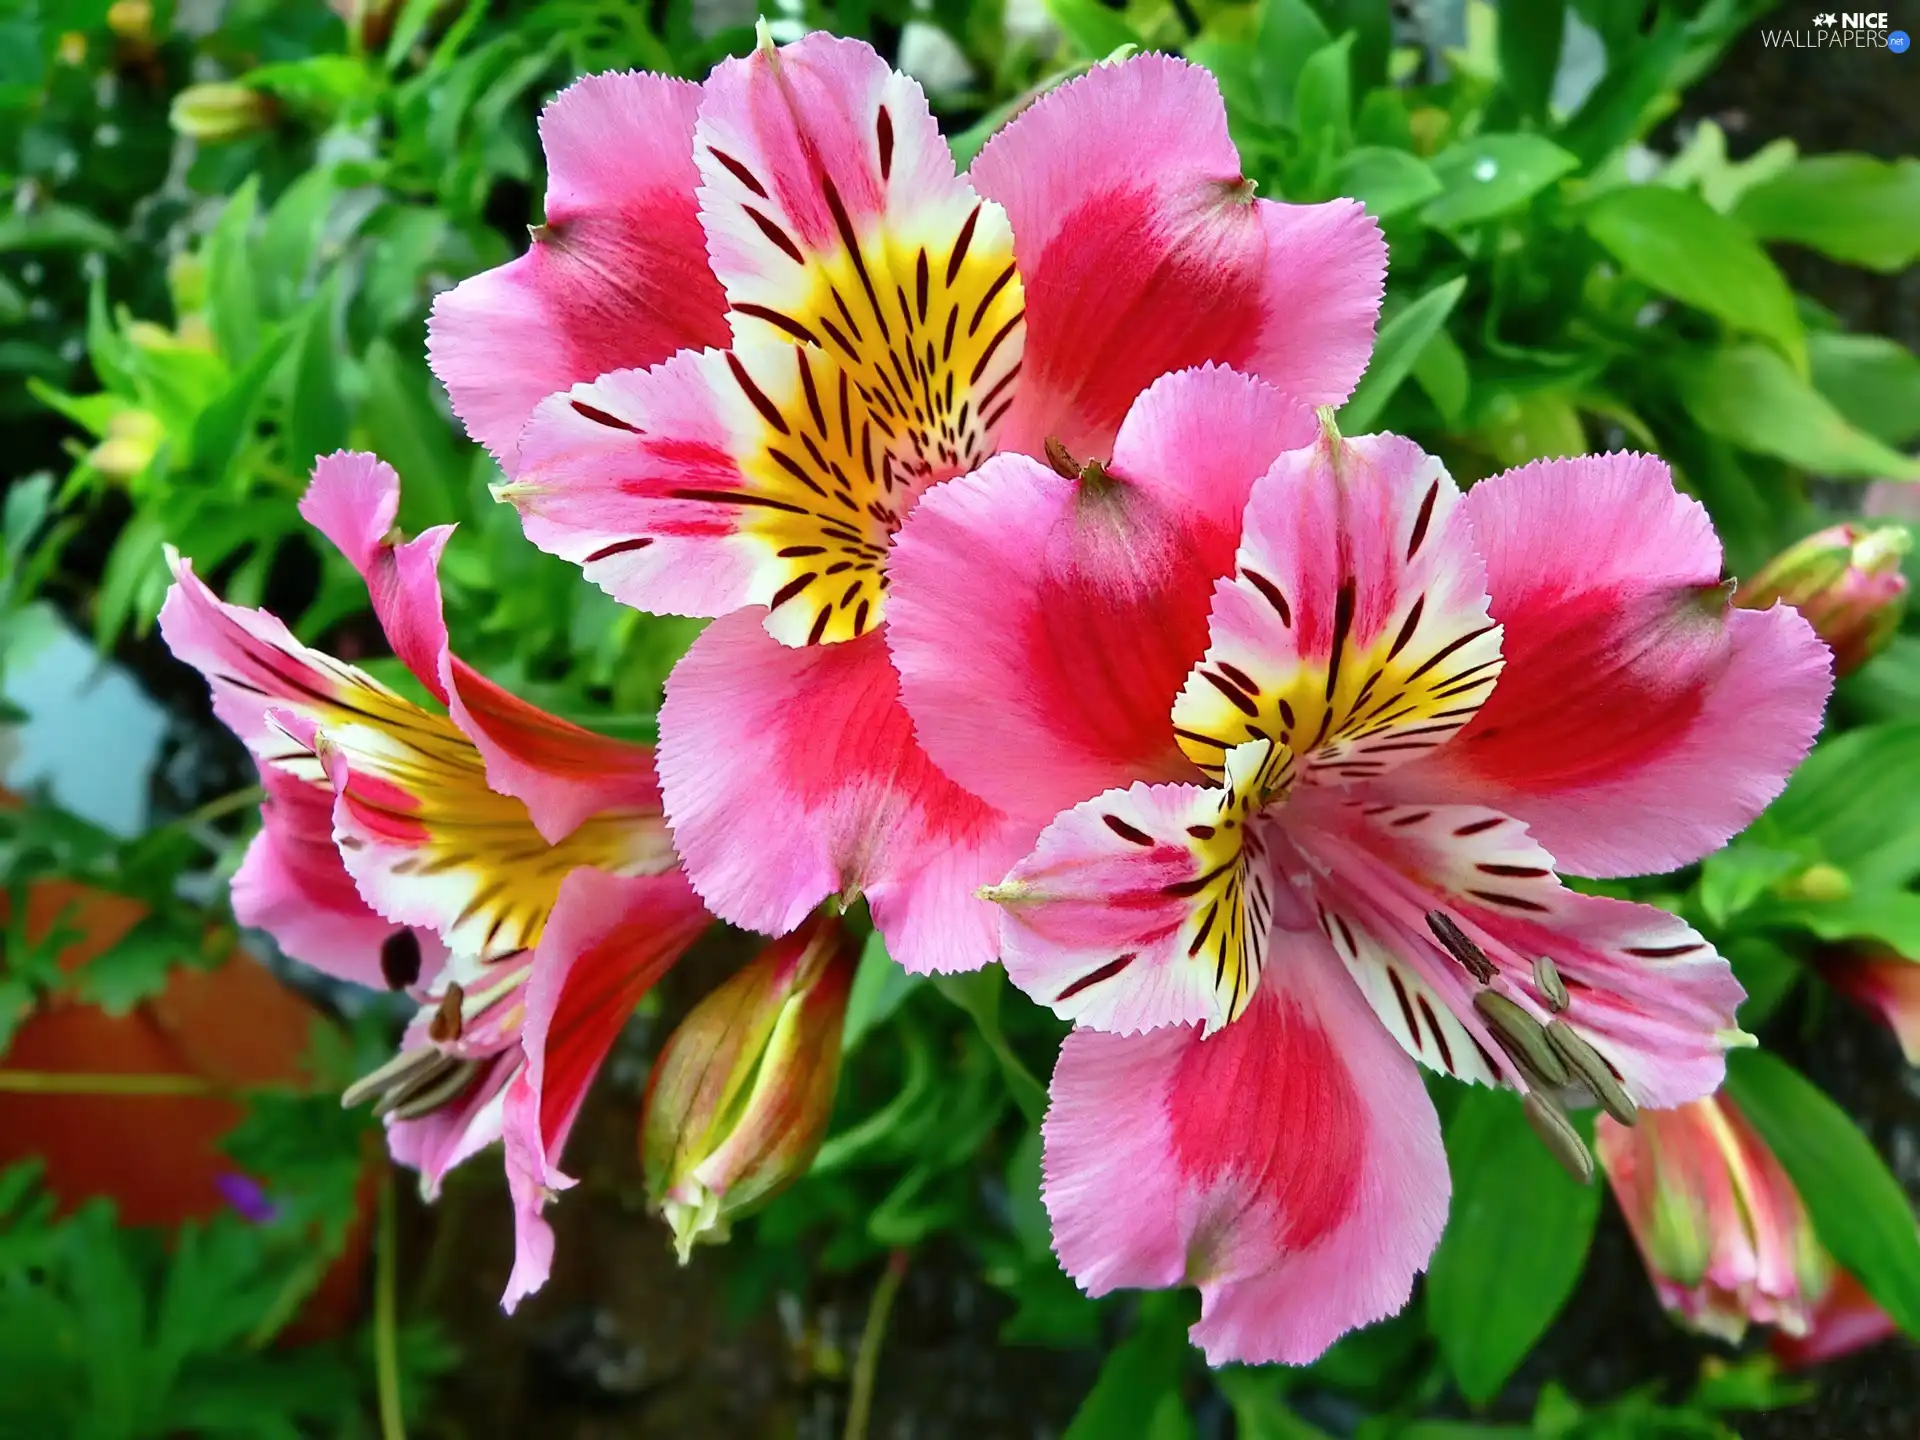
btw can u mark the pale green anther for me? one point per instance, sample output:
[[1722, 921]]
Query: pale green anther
[[1587, 1066], [1556, 1132], [1547, 981], [1522, 1038], [425, 1102]]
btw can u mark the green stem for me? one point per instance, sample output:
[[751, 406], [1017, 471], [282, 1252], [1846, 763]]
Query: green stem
[[77, 1082], [217, 807], [866, 1367], [42, 1082], [386, 1354]]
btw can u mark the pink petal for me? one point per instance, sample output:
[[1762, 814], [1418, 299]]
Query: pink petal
[[1889, 984], [1043, 626], [793, 775], [1355, 629], [254, 666], [292, 885], [1290, 1166], [436, 1142], [807, 155], [1640, 721], [1845, 1321], [609, 941], [428, 842], [721, 480], [1649, 993], [352, 500], [616, 278], [1144, 251], [1149, 906], [562, 773]]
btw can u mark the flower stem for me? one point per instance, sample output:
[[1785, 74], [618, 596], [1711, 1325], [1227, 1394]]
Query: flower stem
[[866, 1367], [386, 1355], [46, 1082]]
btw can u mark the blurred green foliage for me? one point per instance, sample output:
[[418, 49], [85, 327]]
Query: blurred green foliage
[[227, 222]]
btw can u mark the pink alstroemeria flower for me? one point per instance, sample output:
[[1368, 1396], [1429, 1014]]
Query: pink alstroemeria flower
[[1725, 1236], [1406, 702], [508, 869], [891, 324]]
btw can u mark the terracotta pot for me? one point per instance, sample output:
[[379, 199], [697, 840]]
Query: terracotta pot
[[158, 1157]]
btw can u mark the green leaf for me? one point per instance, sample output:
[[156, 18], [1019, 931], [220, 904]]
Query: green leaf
[[1530, 34], [1514, 1246], [1394, 354], [1872, 381], [316, 418], [233, 296], [223, 427], [1835, 808], [1890, 916], [1290, 31], [1323, 98], [1749, 394], [1852, 207], [880, 987], [1681, 246], [979, 995], [1143, 1370], [1386, 181], [1492, 175], [404, 427], [1442, 372], [1260, 1409], [1095, 30], [1858, 1210], [53, 225]]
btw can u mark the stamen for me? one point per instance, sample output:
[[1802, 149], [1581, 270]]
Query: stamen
[[1062, 462], [1586, 1064], [447, 1021], [1456, 943], [1552, 988], [427, 1101], [1556, 1132], [1522, 1038], [399, 1070]]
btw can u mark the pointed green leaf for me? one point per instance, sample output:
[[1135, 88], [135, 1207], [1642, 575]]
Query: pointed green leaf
[[1858, 1210], [1515, 1244]]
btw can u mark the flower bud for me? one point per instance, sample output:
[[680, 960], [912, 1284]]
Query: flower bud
[[1846, 580], [739, 1099], [133, 436], [1724, 1236], [220, 111], [1884, 981], [131, 20]]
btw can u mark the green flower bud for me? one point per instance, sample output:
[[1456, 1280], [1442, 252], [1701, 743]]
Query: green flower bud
[[220, 111], [739, 1099]]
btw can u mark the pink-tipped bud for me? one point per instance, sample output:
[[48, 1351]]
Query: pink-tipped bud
[[1724, 1236], [1846, 580], [1884, 981], [739, 1099]]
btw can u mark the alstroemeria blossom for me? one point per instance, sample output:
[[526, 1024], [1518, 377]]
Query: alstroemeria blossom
[[1724, 1235], [1331, 843], [892, 325], [508, 869]]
